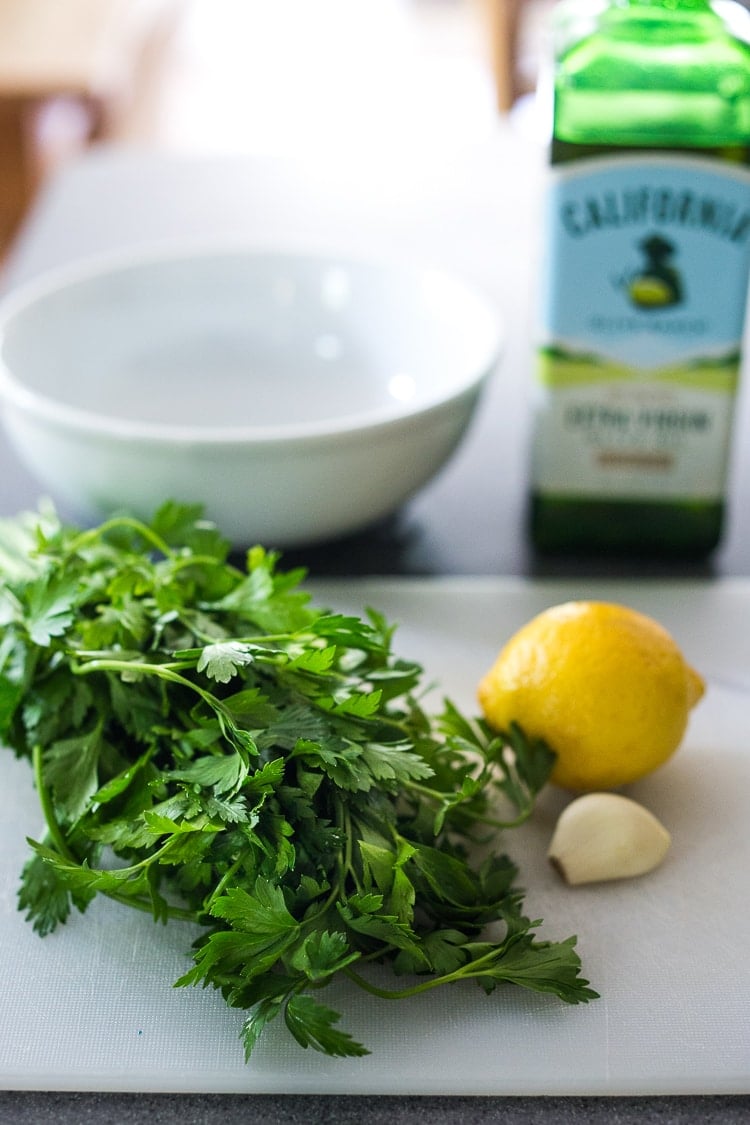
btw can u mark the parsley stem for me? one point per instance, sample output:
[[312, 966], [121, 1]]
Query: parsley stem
[[479, 818], [163, 671], [142, 529], [493, 822], [346, 864], [218, 890], [45, 800], [186, 561], [400, 993], [175, 912], [485, 965]]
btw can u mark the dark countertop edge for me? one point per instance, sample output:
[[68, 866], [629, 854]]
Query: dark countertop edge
[[36, 1107]]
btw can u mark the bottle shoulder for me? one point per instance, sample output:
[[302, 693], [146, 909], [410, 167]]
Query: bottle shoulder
[[653, 36], [690, 87], [642, 55]]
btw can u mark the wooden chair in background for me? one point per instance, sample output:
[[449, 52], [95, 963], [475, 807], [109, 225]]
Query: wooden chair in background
[[517, 31], [83, 56], [504, 25]]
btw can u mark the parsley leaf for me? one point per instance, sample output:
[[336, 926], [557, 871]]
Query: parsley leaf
[[50, 608], [311, 1024], [71, 768], [222, 661]]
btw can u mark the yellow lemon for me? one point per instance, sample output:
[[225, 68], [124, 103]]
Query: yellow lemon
[[604, 685]]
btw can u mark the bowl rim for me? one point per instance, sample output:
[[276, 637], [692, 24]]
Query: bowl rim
[[15, 393]]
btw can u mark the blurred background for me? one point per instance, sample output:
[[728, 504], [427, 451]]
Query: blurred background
[[311, 78]]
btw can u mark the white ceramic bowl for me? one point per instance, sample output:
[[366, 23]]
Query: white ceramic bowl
[[297, 397]]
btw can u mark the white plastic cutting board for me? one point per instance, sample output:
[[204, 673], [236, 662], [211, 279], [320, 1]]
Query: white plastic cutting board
[[92, 1008]]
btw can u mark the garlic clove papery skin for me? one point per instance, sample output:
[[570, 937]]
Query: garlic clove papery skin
[[604, 836]]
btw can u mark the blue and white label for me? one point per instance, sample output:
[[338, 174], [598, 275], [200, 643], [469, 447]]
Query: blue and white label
[[644, 310], [650, 257]]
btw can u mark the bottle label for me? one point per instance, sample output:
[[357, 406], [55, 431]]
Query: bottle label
[[642, 323]]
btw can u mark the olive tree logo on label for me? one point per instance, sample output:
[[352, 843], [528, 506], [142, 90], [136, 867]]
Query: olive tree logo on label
[[656, 283]]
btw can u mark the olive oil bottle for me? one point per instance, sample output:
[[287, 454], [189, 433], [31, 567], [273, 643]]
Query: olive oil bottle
[[645, 280]]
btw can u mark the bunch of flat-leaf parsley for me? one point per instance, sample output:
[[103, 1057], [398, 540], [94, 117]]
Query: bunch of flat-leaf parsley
[[208, 745]]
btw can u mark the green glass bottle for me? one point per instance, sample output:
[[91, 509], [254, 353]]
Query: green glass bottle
[[645, 278]]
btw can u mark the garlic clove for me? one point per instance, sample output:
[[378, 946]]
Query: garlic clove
[[603, 836]]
